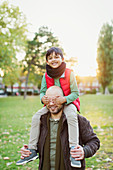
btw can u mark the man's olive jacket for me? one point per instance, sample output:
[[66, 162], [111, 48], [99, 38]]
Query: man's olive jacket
[[87, 139]]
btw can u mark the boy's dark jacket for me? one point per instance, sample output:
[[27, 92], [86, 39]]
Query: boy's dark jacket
[[87, 139]]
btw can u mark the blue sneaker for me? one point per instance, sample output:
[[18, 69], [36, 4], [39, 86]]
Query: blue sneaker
[[75, 163], [32, 157]]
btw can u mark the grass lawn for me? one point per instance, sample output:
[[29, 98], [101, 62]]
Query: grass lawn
[[15, 122]]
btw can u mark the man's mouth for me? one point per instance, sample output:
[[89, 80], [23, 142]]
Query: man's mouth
[[53, 108]]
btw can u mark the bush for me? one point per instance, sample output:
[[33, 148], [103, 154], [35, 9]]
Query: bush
[[28, 93], [93, 91], [88, 92], [110, 89]]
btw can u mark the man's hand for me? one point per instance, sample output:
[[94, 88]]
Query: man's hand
[[60, 100], [77, 152], [45, 99], [24, 152]]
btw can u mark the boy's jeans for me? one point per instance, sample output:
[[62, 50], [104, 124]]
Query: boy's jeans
[[71, 115]]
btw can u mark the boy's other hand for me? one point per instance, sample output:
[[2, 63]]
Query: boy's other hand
[[60, 100], [45, 99]]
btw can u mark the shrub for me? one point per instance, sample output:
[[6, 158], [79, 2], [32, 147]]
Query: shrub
[[110, 89]]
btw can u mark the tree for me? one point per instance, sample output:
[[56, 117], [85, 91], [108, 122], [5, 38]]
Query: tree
[[13, 37], [105, 55], [35, 79], [71, 61], [11, 76], [35, 55]]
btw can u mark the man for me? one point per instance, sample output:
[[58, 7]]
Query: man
[[53, 144]]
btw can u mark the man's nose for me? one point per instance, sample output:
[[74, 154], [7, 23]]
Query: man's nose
[[51, 102]]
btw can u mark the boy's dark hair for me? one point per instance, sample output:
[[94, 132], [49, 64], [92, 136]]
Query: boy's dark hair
[[56, 50]]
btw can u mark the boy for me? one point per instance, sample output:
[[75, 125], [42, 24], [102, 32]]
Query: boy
[[57, 74]]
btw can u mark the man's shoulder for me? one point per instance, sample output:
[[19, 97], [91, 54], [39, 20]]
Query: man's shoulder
[[81, 117], [82, 120], [44, 117]]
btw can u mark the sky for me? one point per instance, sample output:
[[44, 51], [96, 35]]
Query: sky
[[76, 23]]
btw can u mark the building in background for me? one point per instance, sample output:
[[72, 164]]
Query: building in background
[[88, 85]]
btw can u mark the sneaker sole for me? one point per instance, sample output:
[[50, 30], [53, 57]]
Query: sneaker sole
[[32, 159], [77, 166]]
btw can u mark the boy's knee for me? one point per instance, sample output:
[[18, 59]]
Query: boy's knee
[[70, 108], [70, 111], [72, 115]]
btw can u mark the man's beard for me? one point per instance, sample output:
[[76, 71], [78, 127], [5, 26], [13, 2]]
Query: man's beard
[[57, 111]]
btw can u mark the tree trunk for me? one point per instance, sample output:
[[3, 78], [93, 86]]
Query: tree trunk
[[26, 83], [27, 77], [12, 89], [107, 91], [103, 89], [5, 89], [20, 89]]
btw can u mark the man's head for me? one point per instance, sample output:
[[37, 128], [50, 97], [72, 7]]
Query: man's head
[[54, 57], [52, 93]]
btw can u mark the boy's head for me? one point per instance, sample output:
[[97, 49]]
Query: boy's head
[[54, 57], [57, 51]]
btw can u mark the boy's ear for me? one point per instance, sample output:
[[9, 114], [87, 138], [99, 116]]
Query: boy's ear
[[62, 59]]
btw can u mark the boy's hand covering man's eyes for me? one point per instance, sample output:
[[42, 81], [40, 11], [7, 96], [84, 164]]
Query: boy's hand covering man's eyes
[[45, 99], [60, 100]]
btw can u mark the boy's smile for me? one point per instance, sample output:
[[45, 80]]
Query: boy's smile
[[54, 60]]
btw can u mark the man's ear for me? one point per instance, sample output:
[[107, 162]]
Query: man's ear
[[62, 59]]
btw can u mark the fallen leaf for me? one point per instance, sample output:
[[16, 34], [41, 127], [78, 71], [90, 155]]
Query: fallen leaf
[[5, 133], [92, 166], [108, 159], [6, 158], [98, 160], [9, 163]]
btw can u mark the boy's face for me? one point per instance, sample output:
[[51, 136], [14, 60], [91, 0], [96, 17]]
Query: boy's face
[[54, 60]]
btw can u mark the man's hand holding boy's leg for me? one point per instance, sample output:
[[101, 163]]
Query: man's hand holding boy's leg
[[77, 153], [27, 155], [25, 152]]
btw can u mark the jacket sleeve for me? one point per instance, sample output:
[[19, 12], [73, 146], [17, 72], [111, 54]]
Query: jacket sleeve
[[43, 87], [74, 89], [90, 141]]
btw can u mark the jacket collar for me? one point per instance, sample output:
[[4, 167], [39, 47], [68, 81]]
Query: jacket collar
[[44, 119]]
